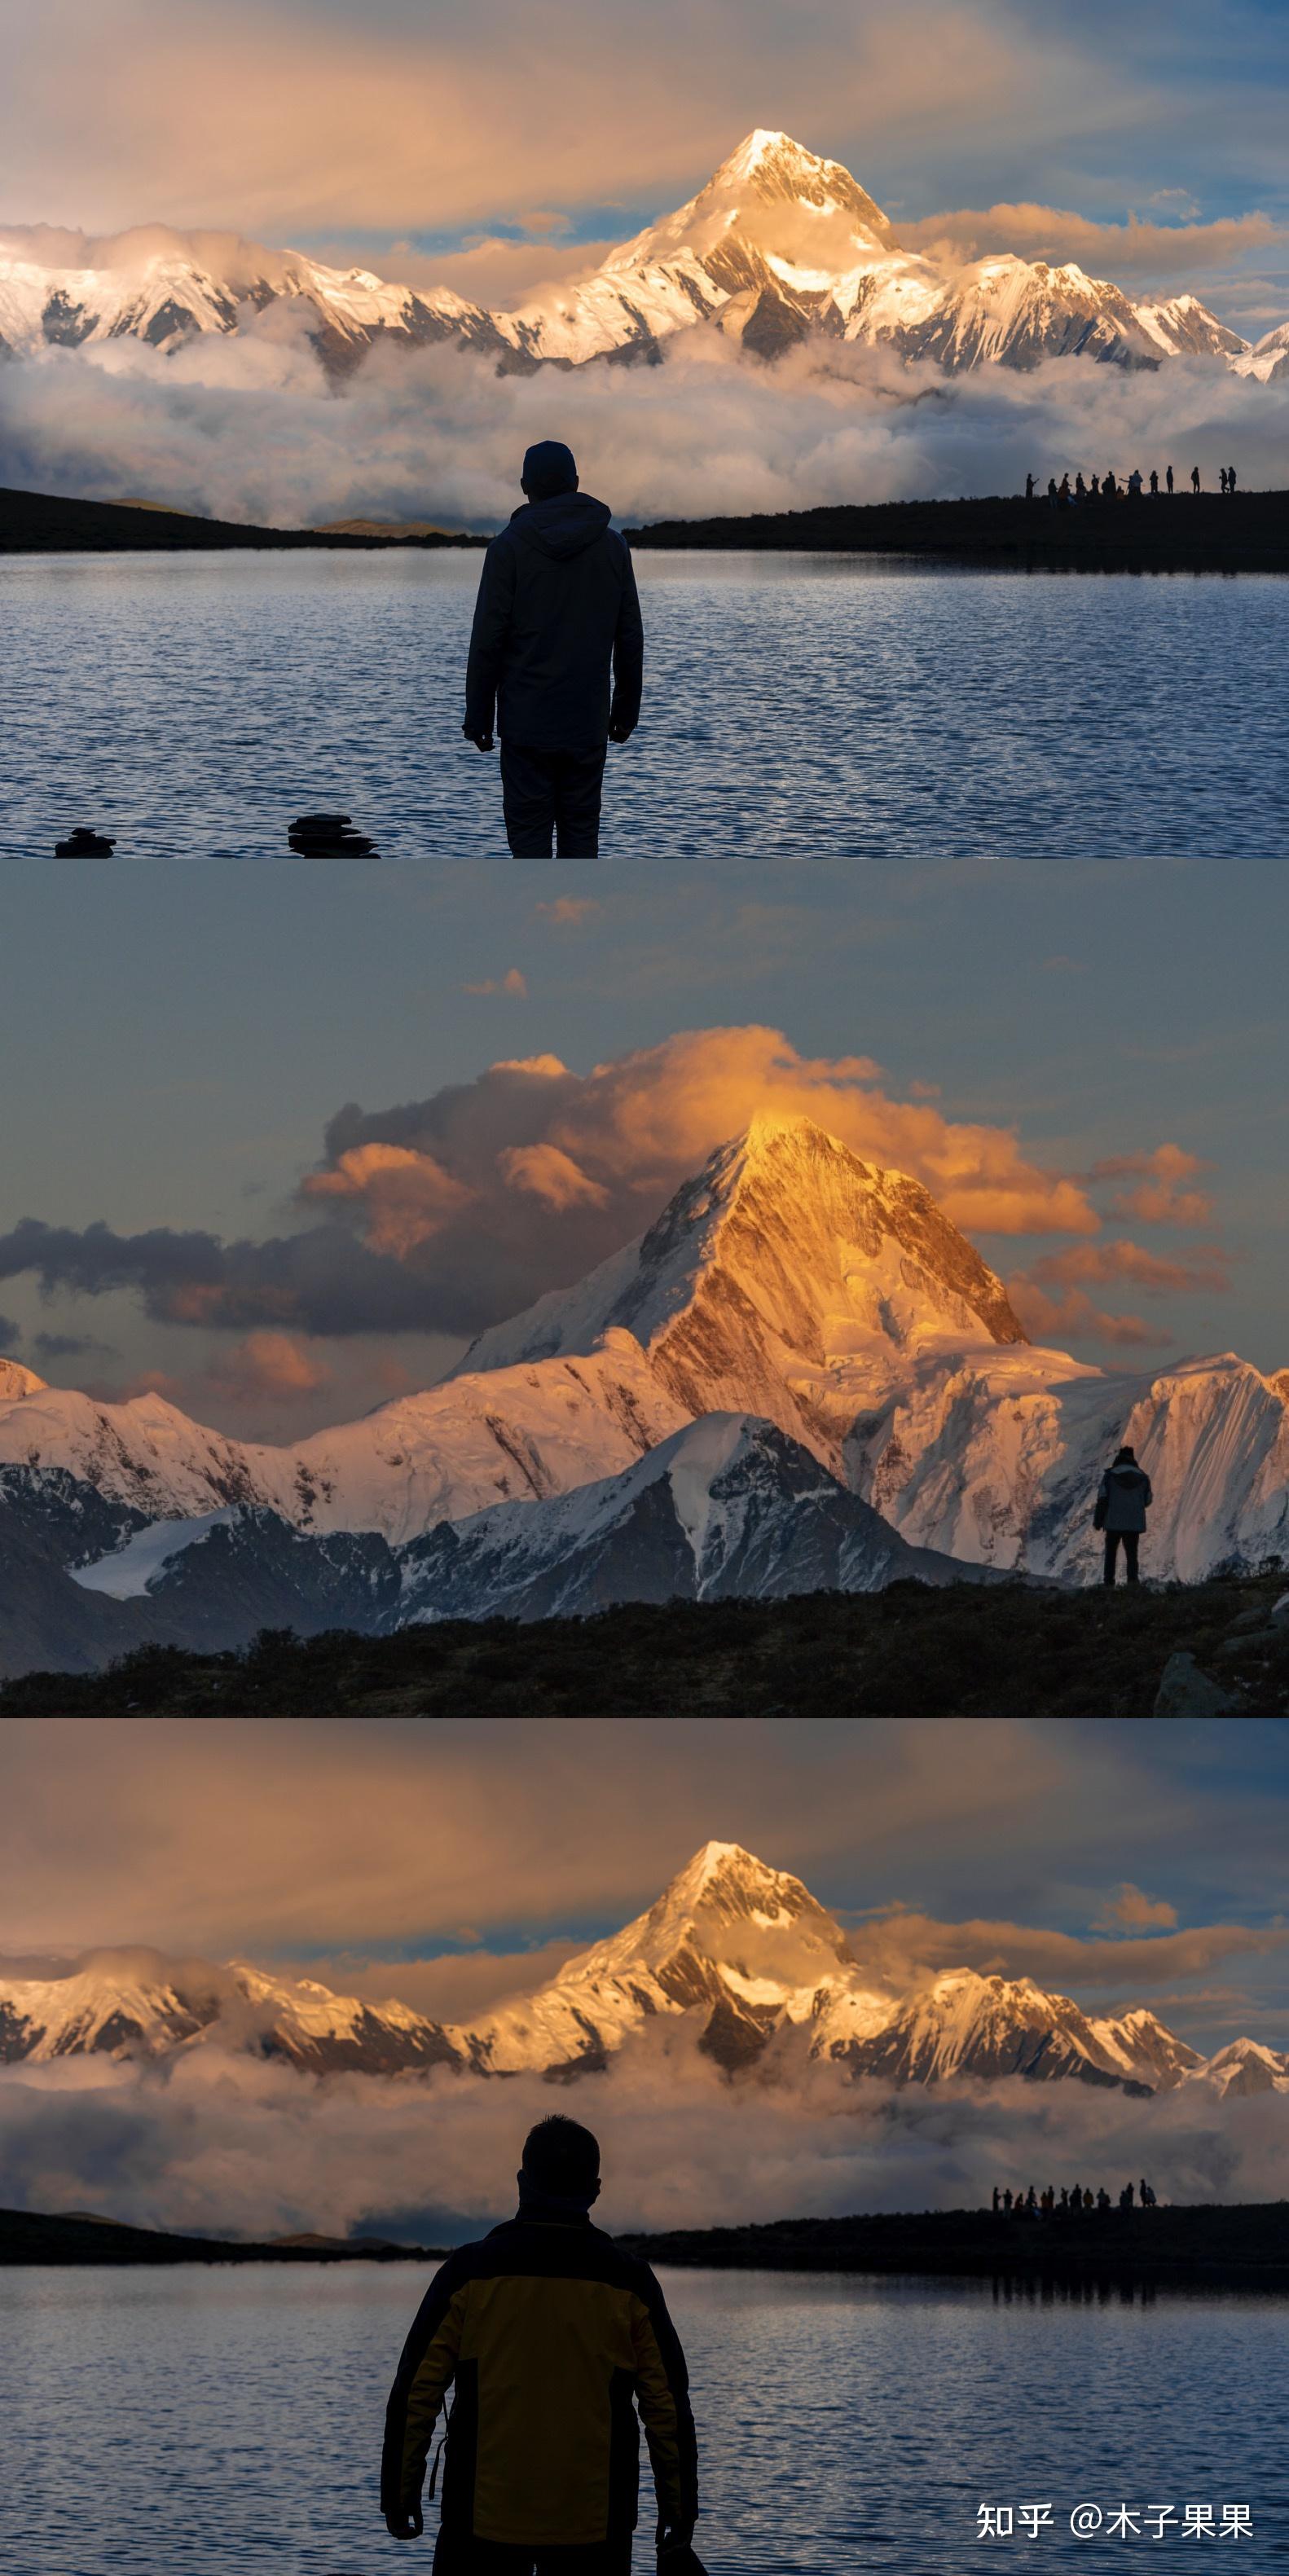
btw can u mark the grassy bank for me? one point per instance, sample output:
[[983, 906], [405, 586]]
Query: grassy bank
[[1249, 533], [1244, 2246], [964, 1651], [43, 523], [33, 2236]]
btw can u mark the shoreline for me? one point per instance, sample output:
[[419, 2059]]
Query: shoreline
[[42, 2237], [44, 523], [1244, 2245], [1248, 533]]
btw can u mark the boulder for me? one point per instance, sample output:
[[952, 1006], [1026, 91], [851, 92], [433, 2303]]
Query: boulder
[[1185, 1690]]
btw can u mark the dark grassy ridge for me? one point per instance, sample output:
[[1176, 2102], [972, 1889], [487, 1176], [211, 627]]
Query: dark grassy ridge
[[1249, 533], [964, 1651], [40, 523], [30, 2236], [1241, 2247]]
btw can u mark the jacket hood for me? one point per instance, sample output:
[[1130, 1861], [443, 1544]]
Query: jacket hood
[[563, 526]]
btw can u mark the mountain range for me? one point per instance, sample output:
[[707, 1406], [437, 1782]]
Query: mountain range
[[736, 1954], [801, 1377], [779, 248]]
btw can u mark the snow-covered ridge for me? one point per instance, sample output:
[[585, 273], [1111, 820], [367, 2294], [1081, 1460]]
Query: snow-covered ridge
[[778, 247], [790, 1283], [734, 1952]]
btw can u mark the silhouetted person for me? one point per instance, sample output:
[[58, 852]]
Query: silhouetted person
[[557, 614], [1029, 487], [1080, 488], [1051, 490], [1064, 490], [1230, 479], [1103, 2198], [1109, 486], [1094, 487], [1134, 484], [997, 2199], [1123, 1499], [549, 2332], [1168, 478], [1154, 483], [1195, 480], [1007, 2200], [1065, 2196], [1128, 2195]]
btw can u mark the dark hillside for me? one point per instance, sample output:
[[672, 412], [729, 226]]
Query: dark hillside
[[1006, 1650]]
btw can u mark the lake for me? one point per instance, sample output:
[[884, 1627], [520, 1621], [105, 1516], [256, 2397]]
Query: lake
[[197, 2422], [819, 706]]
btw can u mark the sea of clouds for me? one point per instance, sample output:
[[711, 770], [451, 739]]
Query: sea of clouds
[[247, 427], [226, 2143]]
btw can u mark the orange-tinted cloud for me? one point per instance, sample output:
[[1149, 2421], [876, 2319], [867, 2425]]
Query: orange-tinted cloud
[[1158, 1198], [551, 1175], [1131, 1910], [511, 982], [268, 1367], [405, 1197], [1129, 251], [569, 909], [1074, 1318], [1097, 1264]]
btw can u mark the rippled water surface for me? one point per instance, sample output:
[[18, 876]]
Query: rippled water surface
[[797, 707], [199, 2422]]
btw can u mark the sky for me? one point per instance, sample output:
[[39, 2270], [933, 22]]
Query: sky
[[498, 147], [497, 151], [447, 1093], [451, 1863]]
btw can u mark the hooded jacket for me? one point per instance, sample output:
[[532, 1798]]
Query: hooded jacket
[[550, 2336], [557, 611], [1124, 1497]]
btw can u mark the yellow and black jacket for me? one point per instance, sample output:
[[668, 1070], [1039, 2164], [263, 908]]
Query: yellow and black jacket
[[550, 2336]]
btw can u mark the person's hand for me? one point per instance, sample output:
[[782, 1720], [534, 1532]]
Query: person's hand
[[619, 732], [678, 2535], [405, 2524], [482, 741]]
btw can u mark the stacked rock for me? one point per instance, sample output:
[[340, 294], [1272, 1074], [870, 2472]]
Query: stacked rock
[[84, 844], [328, 836]]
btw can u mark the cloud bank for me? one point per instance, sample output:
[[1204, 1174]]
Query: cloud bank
[[246, 2147], [246, 428], [452, 1212]]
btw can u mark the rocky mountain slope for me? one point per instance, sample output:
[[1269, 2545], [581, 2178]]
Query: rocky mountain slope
[[735, 1953], [780, 247], [790, 1282]]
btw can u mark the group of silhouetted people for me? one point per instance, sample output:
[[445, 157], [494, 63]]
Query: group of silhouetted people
[[1047, 2204], [1103, 487]]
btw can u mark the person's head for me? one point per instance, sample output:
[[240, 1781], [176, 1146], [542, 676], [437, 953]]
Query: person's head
[[1126, 1458], [561, 2161], [549, 468]]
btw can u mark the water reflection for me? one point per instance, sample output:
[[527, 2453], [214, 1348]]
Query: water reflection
[[230, 2421], [799, 707]]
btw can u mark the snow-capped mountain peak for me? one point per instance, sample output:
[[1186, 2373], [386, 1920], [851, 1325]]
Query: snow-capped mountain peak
[[1243, 2066], [778, 247], [742, 1947], [785, 1280], [734, 1955]]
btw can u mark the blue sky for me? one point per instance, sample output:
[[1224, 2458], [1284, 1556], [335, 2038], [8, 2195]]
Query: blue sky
[[1085, 1016]]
